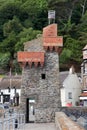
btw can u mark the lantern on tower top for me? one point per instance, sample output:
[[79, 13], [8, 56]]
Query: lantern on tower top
[[51, 16]]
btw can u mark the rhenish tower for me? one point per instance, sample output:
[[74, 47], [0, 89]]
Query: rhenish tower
[[40, 90]]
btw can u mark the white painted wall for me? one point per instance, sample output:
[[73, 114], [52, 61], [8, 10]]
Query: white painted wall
[[85, 103], [63, 99], [71, 84], [11, 93]]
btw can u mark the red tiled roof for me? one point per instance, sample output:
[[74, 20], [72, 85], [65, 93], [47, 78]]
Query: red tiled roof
[[30, 56], [50, 39], [84, 94]]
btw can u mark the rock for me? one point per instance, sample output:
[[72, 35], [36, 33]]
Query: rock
[[82, 121], [72, 117]]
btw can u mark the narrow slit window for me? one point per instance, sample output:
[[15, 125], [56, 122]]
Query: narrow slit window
[[43, 76]]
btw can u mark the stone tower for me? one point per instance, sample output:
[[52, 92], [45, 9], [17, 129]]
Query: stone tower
[[40, 90]]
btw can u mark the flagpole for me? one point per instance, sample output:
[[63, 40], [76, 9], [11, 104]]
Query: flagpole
[[10, 79]]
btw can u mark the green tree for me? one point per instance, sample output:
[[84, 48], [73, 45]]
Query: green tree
[[13, 25], [72, 53], [35, 10], [8, 9], [8, 44], [4, 60], [82, 30], [82, 26], [24, 36], [16, 67], [20, 21]]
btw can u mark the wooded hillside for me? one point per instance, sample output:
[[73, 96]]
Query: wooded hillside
[[22, 20]]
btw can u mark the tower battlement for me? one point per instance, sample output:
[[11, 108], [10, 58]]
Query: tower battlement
[[40, 90]]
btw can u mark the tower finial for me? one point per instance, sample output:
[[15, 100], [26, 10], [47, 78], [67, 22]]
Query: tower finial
[[51, 16], [72, 70]]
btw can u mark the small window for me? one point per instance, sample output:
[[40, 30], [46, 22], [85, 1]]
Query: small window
[[43, 76], [70, 95], [1, 93]]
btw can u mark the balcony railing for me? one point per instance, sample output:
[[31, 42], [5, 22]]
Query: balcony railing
[[13, 122]]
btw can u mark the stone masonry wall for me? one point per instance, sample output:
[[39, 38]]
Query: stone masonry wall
[[46, 91]]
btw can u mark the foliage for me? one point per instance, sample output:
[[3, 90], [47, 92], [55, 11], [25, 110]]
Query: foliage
[[8, 44], [24, 36], [22, 20], [75, 47], [16, 68], [12, 25], [65, 56], [4, 60], [82, 26]]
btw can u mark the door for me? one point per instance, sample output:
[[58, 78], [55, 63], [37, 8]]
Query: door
[[6, 98], [30, 111]]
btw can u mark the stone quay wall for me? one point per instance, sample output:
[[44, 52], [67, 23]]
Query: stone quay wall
[[63, 122], [75, 111]]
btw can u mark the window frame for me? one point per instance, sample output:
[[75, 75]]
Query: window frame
[[69, 95]]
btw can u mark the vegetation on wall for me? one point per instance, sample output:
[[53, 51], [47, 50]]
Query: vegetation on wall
[[22, 20]]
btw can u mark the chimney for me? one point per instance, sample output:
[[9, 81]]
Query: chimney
[[51, 16]]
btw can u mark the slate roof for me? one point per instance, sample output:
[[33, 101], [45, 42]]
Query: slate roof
[[13, 81], [62, 76], [35, 45]]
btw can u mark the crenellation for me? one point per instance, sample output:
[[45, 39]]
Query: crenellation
[[40, 84]]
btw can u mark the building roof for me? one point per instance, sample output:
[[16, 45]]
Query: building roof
[[48, 40], [84, 94], [85, 48], [34, 45], [63, 76], [15, 81], [72, 81], [10, 81]]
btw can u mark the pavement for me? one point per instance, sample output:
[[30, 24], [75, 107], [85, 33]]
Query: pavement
[[39, 126]]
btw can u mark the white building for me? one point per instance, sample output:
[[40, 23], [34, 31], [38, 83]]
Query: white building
[[10, 89], [71, 89], [83, 96]]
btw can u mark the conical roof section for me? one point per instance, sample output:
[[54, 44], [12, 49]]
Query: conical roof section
[[85, 48], [72, 81]]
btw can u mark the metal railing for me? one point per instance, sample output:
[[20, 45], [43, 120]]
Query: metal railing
[[13, 122]]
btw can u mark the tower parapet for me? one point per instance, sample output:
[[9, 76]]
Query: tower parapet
[[31, 57], [51, 41], [40, 90]]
